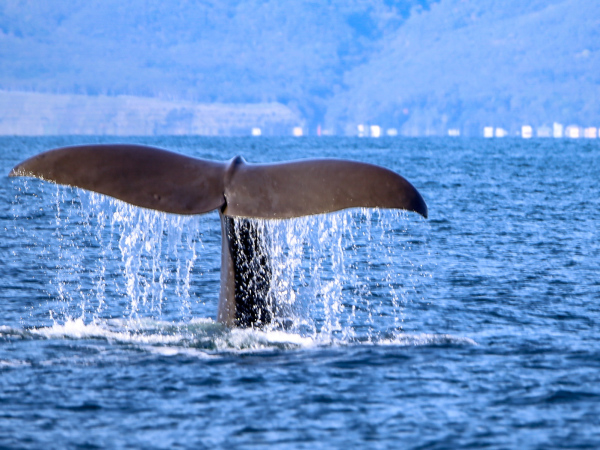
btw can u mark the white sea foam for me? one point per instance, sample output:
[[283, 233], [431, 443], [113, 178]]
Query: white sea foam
[[205, 338], [425, 339], [11, 363], [167, 338]]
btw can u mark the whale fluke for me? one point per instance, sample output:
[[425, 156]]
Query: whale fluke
[[315, 186], [143, 176], [170, 182], [165, 181]]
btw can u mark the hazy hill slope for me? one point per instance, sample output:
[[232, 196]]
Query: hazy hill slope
[[472, 63], [209, 51], [419, 65], [35, 114]]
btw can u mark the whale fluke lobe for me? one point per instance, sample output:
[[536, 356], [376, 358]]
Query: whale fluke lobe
[[170, 182], [316, 186], [143, 176]]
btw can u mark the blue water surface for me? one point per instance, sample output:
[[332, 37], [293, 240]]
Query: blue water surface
[[475, 328]]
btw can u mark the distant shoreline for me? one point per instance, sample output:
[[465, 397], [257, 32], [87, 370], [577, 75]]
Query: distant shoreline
[[42, 114]]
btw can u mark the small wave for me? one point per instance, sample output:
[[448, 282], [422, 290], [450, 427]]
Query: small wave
[[166, 338], [426, 339], [12, 363], [251, 339], [76, 329], [205, 337]]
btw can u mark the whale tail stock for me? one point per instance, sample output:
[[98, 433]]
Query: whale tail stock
[[170, 182]]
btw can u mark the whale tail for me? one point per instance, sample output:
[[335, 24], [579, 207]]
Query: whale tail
[[165, 181]]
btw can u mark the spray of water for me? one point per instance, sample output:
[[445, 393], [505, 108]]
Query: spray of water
[[345, 276], [342, 275]]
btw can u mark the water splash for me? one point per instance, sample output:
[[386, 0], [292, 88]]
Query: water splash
[[107, 258], [340, 277]]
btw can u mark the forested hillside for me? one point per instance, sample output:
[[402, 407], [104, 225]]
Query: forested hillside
[[419, 65], [467, 64], [295, 53]]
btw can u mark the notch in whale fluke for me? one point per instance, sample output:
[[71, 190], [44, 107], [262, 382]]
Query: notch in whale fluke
[[165, 181]]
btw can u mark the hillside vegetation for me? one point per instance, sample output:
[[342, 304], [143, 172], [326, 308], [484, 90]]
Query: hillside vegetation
[[467, 64], [418, 65]]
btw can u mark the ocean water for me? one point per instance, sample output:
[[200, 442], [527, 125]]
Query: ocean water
[[478, 327]]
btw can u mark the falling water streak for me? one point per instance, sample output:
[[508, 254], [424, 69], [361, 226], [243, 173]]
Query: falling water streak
[[316, 262], [69, 261], [181, 232], [324, 279], [393, 263], [155, 290], [95, 224], [154, 246], [344, 276], [287, 247], [151, 255], [367, 290], [38, 250], [392, 276]]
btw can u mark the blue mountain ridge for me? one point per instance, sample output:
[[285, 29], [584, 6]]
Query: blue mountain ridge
[[420, 64]]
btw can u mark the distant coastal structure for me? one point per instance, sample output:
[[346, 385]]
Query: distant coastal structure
[[40, 114], [526, 132], [544, 131]]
